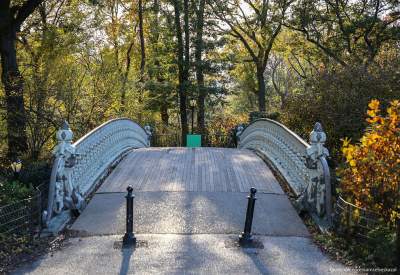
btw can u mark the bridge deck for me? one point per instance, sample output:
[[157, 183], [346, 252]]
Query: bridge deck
[[185, 191], [197, 169]]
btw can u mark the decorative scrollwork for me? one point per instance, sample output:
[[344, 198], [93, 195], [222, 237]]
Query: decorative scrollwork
[[316, 149], [78, 166]]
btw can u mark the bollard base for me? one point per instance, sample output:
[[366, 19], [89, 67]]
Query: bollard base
[[245, 239], [129, 240]]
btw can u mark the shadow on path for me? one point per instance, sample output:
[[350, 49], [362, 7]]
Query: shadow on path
[[262, 268], [126, 257]]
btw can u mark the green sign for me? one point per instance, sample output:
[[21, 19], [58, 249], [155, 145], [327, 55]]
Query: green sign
[[193, 140]]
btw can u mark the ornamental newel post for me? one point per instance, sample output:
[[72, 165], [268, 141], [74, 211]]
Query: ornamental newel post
[[147, 129], [63, 195], [246, 237], [239, 131], [129, 237], [319, 193], [64, 150]]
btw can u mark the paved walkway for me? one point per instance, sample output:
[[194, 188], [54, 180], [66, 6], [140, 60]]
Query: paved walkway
[[186, 254], [189, 209]]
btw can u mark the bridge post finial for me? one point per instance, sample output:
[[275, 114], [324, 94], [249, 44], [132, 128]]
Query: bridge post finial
[[317, 148]]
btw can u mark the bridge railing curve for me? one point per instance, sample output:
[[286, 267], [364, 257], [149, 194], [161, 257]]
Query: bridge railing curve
[[303, 166], [79, 166]]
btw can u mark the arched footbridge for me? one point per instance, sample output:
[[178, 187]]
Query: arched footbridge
[[204, 185], [190, 203]]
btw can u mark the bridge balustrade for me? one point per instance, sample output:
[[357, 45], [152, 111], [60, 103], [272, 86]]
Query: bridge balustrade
[[302, 166], [79, 167]]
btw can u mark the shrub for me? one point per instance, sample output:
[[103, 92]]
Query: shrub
[[371, 174], [381, 245], [338, 98], [32, 175], [13, 191], [35, 173], [222, 124]]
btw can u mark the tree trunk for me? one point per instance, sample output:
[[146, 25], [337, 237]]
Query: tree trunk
[[199, 68], [164, 114], [153, 39], [125, 78], [142, 45], [142, 57], [186, 62], [155, 27], [261, 89], [186, 59], [14, 96], [187, 33], [181, 74]]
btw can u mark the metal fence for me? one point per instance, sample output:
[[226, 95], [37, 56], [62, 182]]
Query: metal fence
[[24, 217], [218, 140], [353, 220], [166, 140], [208, 140]]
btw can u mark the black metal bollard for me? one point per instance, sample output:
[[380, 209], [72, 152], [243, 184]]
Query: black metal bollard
[[129, 237], [245, 237]]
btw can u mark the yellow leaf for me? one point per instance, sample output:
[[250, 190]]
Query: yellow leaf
[[374, 104]]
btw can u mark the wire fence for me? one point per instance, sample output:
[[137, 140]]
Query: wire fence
[[166, 140], [219, 140], [208, 140], [352, 220], [24, 217]]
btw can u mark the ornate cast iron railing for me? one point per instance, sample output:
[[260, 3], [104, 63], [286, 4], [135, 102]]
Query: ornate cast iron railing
[[79, 166], [303, 166]]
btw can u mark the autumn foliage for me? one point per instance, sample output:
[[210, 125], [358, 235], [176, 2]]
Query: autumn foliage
[[371, 175]]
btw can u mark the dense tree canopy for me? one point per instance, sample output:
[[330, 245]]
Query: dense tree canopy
[[89, 61]]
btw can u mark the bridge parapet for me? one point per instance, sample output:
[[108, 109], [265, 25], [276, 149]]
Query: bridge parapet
[[78, 167], [303, 166]]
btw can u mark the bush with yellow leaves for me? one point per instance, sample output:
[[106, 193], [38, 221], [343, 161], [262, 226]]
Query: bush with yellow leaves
[[371, 175]]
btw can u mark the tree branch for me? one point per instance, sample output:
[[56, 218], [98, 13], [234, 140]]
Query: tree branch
[[24, 11]]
